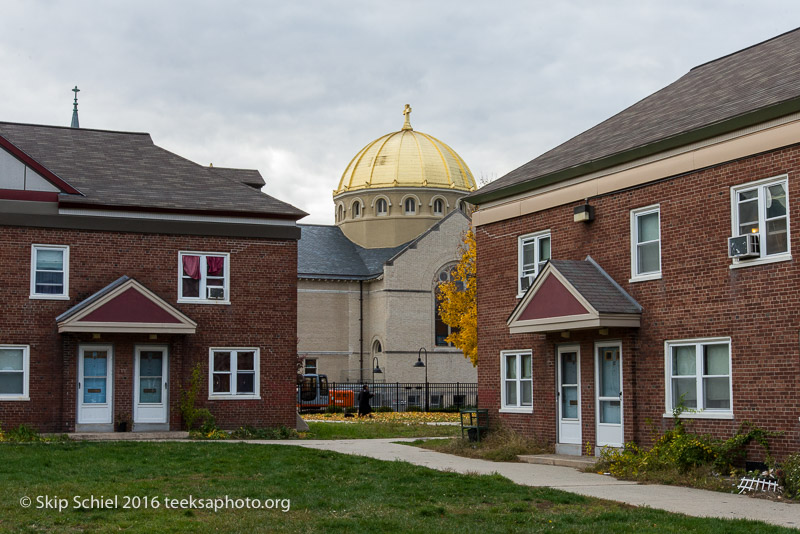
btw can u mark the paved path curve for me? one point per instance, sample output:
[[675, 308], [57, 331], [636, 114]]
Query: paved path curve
[[694, 502]]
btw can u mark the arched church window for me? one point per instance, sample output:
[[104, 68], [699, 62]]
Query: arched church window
[[381, 207], [340, 213], [410, 206], [377, 348], [442, 330], [356, 209], [438, 206]]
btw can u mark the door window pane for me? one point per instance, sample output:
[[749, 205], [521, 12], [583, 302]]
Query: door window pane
[[569, 402], [150, 390], [569, 368], [609, 373], [94, 391], [610, 412], [95, 363]]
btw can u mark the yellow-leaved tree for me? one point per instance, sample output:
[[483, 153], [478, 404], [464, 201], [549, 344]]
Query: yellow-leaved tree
[[457, 302]]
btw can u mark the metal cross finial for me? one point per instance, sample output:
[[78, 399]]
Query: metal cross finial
[[407, 114]]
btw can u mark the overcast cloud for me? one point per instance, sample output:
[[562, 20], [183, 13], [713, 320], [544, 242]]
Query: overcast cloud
[[295, 89]]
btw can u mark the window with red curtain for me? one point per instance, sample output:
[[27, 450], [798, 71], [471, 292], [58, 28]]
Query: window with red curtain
[[199, 272]]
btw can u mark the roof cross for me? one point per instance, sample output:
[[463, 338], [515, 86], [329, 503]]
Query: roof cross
[[407, 115], [75, 109]]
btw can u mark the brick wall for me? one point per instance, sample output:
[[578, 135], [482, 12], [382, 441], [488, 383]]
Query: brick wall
[[262, 314], [698, 296]]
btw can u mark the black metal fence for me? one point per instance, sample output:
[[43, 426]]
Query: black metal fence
[[397, 396]]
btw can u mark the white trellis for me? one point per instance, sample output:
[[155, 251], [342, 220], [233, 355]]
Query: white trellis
[[758, 484]]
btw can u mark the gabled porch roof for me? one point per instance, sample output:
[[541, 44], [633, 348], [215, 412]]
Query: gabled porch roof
[[125, 306], [574, 295]]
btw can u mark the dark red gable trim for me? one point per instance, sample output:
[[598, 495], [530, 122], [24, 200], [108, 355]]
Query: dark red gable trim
[[76, 203], [552, 299], [16, 194], [130, 307], [36, 166]]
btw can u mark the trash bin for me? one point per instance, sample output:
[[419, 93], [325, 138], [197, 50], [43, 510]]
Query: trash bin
[[472, 434]]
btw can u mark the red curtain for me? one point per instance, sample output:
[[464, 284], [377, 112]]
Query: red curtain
[[215, 264], [191, 266]]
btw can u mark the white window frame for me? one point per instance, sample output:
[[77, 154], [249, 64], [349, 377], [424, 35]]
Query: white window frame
[[635, 214], [761, 185], [64, 295], [697, 413], [515, 408], [357, 209], [521, 242], [26, 367], [201, 299], [443, 202], [307, 368], [232, 394], [376, 204]]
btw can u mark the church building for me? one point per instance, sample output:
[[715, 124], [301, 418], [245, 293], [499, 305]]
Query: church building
[[367, 285]]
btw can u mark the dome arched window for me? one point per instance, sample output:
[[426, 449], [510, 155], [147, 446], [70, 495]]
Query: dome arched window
[[356, 209], [381, 207], [438, 207], [410, 206], [340, 213]]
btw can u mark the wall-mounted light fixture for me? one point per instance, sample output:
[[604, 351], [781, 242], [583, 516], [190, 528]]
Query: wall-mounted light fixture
[[583, 213]]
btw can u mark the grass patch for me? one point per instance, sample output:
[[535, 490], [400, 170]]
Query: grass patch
[[329, 492], [501, 445], [387, 417], [374, 430]]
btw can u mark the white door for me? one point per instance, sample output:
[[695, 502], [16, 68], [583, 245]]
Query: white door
[[569, 394], [150, 384], [95, 384], [609, 395]]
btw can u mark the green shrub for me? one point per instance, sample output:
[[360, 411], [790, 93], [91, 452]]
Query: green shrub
[[791, 476], [23, 433], [190, 412], [334, 409], [414, 409], [384, 409]]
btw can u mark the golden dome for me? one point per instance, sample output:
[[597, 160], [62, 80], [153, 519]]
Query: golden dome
[[406, 159]]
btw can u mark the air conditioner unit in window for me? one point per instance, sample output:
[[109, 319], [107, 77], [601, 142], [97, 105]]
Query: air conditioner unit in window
[[744, 246], [525, 282], [215, 293]]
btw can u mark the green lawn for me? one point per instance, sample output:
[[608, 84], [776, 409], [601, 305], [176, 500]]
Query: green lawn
[[373, 430], [328, 492]]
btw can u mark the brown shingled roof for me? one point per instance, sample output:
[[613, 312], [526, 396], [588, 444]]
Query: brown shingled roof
[[724, 93], [126, 170]]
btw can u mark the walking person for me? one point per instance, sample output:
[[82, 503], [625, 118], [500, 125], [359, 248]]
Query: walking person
[[364, 407]]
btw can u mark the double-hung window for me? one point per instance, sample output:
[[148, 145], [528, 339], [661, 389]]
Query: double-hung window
[[699, 376], [204, 277], [516, 381], [49, 272], [14, 372], [234, 373], [534, 251], [646, 243], [760, 208]]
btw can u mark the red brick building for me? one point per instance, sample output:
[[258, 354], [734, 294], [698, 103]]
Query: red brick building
[[125, 267], [608, 287]]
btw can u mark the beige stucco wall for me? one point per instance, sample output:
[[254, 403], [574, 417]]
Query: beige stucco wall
[[398, 312]]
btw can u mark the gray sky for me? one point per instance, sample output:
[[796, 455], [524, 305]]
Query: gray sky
[[295, 89]]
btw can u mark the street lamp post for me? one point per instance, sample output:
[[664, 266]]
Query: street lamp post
[[425, 365], [375, 369]]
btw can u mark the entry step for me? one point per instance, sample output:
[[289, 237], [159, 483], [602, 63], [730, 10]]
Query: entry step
[[562, 460], [127, 436]]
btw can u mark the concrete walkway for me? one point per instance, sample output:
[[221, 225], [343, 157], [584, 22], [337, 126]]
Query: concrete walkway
[[694, 502]]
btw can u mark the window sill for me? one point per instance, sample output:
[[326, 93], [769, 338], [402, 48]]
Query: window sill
[[234, 397], [702, 415], [201, 301], [49, 297], [645, 278], [512, 409], [14, 398], [761, 261]]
